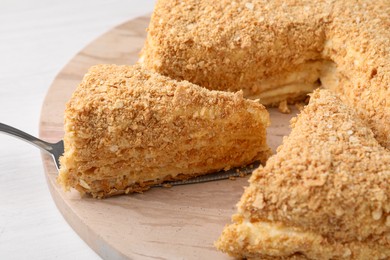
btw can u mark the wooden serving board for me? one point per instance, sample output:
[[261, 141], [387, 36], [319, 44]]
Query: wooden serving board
[[181, 222]]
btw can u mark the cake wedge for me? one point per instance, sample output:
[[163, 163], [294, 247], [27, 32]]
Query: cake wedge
[[325, 194], [127, 129]]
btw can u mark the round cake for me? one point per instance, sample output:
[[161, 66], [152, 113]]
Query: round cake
[[279, 50]]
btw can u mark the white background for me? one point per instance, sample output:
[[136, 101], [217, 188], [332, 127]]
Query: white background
[[37, 39]]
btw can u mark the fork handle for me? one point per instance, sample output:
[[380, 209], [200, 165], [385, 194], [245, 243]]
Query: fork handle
[[12, 131]]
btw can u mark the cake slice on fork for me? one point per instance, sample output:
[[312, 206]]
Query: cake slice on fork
[[127, 129]]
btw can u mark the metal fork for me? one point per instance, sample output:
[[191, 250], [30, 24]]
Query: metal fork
[[57, 149], [54, 149]]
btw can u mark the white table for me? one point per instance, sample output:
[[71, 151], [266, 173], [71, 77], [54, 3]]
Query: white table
[[37, 38]]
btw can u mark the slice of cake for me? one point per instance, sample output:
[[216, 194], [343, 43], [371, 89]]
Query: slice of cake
[[324, 195], [127, 129]]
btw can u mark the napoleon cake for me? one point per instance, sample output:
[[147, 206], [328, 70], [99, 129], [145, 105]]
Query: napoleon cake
[[324, 195], [127, 129], [279, 50]]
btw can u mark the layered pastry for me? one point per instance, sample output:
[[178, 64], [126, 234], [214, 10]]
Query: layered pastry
[[127, 129], [279, 50], [324, 195]]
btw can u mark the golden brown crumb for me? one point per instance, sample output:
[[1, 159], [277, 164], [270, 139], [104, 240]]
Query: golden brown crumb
[[283, 107], [127, 129], [299, 105], [325, 194]]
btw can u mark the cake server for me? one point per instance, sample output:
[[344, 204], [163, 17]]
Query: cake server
[[57, 149]]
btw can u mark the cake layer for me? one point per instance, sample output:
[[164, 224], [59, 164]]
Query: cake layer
[[233, 45], [324, 195], [127, 128], [273, 240], [289, 86]]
